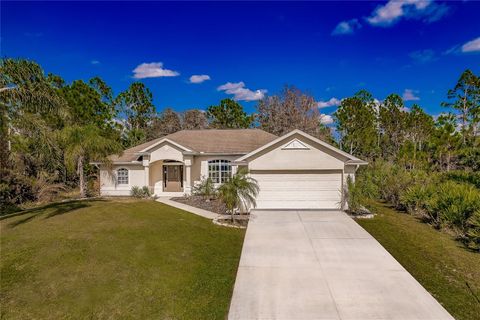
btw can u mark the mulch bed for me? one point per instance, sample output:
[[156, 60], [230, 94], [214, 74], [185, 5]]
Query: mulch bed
[[214, 205]]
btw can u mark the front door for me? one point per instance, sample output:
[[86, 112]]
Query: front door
[[172, 178]]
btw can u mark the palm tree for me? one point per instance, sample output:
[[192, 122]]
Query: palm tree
[[25, 95], [83, 143], [239, 192]]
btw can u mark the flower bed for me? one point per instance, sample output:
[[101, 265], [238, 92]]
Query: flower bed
[[214, 205]]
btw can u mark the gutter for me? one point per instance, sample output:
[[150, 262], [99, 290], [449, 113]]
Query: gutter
[[357, 162], [117, 162], [194, 153]]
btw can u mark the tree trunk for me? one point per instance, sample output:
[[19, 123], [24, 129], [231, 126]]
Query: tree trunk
[[448, 161], [414, 154], [81, 177]]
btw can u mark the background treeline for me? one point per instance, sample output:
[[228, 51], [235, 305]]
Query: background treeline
[[51, 130], [427, 166]]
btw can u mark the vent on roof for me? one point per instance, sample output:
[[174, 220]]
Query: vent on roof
[[295, 144]]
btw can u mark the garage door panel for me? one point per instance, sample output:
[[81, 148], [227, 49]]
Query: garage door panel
[[301, 195], [314, 190], [296, 177], [327, 204]]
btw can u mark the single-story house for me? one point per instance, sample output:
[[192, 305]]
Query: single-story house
[[294, 171]]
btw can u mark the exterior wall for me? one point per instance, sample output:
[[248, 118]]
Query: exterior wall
[[349, 172], [317, 157], [108, 180], [156, 176], [166, 151]]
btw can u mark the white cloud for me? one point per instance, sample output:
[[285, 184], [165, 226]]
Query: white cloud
[[472, 46], [326, 118], [346, 27], [410, 95], [199, 78], [394, 10], [153, 70], [240, 92], [95, 62], [330, 103]]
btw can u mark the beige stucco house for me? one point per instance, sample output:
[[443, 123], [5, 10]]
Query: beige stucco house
[[294, 171]]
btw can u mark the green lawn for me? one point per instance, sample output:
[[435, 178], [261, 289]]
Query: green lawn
[[116, 259], [442, 265]]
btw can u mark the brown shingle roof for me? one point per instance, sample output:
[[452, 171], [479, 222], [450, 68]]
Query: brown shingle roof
[[234, 141]]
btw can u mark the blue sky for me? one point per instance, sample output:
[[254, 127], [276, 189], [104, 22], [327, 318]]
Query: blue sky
[[416, 48]]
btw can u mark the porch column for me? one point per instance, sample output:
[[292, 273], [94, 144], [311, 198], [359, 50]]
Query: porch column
[[187, 181], [146, 169]]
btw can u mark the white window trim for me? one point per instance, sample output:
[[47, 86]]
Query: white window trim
[[219, 164], [128, 177]]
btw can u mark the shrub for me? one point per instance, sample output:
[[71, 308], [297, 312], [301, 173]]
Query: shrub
[[366, 182], [415, 199], [389, 182], [352, 196], [93, 187], [205, 188], [45, 190], [445, 200], [455, 204], [472, 238], [15, 189], [464, 176], [385, 181], [146, 192], [138, 192]]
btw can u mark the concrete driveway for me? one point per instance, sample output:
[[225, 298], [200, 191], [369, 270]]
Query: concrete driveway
[[322, 265]]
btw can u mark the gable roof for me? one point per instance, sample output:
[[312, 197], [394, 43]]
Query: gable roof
[[221, 141], [351, 159]]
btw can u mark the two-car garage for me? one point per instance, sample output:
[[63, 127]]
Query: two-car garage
[[298, 171], [299, 190]]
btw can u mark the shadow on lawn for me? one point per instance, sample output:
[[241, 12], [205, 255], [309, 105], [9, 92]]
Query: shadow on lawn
[[49, 211]]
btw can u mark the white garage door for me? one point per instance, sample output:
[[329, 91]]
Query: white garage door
[[298, 190]]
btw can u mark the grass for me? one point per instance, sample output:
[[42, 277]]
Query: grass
[[116, 259], [442, 265]]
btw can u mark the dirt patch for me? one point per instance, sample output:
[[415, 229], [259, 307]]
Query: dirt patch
[[214, 205]]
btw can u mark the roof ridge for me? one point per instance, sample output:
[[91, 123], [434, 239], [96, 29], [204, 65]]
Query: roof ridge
[[210, 129]]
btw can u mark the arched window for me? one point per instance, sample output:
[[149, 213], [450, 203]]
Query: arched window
[[122, 176], [219, 170]]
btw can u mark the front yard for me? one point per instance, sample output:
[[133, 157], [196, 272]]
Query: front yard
[[442, 265], [116, 259]]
